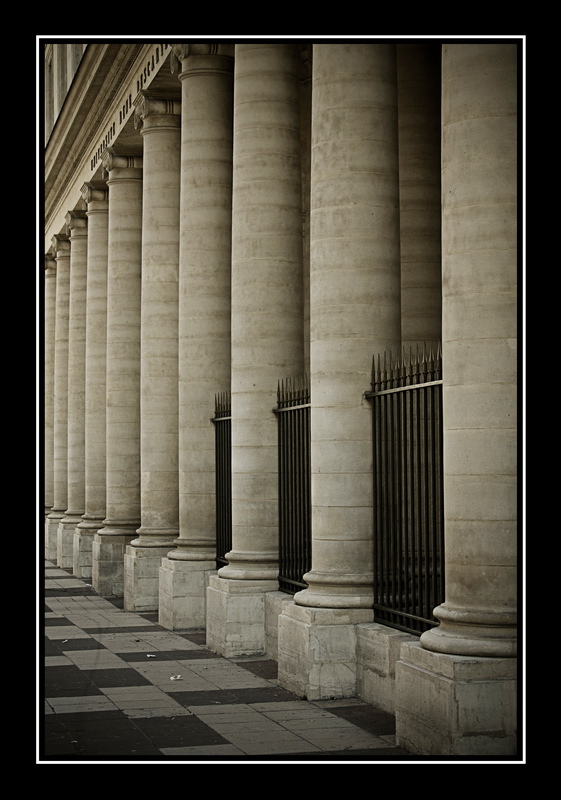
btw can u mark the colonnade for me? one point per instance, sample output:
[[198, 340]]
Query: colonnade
[[285, 217]]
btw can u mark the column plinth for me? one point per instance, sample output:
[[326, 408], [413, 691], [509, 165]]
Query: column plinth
[[122, 421], [160, 127]]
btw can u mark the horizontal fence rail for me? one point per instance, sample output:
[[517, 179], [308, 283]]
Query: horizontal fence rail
[[223, 475], [406, 398], [295, 540]]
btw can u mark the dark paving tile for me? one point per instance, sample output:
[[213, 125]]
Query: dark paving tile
[[68, 681], [70, 592], [373, 720], [234, 696], [105, 678], [178, 732], [118, 602], [50, 648], [273, 695], [128, 629], [196, 638], [79, 720], [264, 669], [55, 622]]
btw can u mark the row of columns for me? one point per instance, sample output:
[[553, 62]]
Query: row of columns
[[188, 275]]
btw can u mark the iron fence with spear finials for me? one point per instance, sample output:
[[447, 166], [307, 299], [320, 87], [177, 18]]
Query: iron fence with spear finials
[[293, 415], [406, 397], [223, 475]]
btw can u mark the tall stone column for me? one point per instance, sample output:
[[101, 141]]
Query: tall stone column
[[96, 198], [266, 330], [77, 225], [160, 122], [418, 82], [61, 248], [49, 382], [204, 320], [354, 313], [123, 373], [467, 663]]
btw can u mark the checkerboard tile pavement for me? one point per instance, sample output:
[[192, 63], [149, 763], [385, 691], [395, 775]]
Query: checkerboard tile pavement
[[118, 686]]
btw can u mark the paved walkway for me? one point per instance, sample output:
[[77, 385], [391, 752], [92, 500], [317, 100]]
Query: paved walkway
[[118, 687]]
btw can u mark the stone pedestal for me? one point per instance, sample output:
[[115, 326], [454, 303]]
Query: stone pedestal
[[317, 651], [108, 558], [182, 592], [236, 616], [455, 705]]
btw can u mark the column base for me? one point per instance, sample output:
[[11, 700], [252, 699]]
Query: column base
[[142, 577], [455, 705], [317, 651], [65, 542], [182, 593], [236, 616], [108, 562]]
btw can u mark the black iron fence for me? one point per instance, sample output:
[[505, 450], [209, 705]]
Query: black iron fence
[[295, 539], [406, 400], [223, 475]]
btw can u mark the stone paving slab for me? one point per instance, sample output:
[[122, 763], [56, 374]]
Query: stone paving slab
[[119, 687]]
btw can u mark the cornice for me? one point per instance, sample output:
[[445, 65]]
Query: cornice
[[96, 111]]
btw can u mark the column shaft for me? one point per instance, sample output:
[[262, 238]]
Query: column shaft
[[354, 304], [123, 373], [77, 227], [479, 240], [50, 319], [61, 246], [96, 384], [204, 320], [161, 133], [267, 329]]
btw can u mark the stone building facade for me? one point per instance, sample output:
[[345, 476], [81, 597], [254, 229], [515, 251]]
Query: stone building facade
[[221, 216]]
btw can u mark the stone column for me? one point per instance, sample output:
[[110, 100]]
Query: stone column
[[418, 82], [204, 321], [466, 664], [354, 313], [96, 198], [266, 330], [160, 123], [61, 248], [77, 225], [123, 373], [49, 383]]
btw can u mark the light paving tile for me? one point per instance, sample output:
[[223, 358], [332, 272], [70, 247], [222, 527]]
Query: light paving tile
[[253, 747], [162, 675], [144, 701], [343, 740], [123, 642], [65, 632], [218, 708], [168, 641], [305, 713], [57, 661], [312, 724], [96, 659]]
